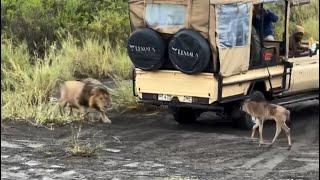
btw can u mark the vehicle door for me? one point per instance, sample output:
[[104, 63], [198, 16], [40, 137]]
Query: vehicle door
[[305, 73]]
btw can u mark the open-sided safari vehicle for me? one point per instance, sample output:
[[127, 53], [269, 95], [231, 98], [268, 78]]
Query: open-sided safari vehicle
[[203, 55]]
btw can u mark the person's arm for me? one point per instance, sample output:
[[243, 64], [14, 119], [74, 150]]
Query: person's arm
[[303, 47], [271, 16], [304, 42]]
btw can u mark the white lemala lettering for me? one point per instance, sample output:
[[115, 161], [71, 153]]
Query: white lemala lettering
[[185, 53], [142, 48]]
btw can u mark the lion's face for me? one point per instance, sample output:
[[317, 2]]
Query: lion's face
[[100, 99]]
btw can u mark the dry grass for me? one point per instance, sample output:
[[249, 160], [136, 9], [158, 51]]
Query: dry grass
[[77, 147], [27, 88]]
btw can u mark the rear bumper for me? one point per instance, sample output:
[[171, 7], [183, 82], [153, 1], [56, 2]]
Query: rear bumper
[[177, 84], [209, 107]]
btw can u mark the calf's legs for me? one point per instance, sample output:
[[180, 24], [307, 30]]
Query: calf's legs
[[287, 131], [278, 130], [260, 132], [254, 129]]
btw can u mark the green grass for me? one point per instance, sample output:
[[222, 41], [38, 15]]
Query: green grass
[[312, 28], [308, 17], [27, 88]]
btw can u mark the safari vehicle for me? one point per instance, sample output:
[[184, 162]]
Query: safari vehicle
[[197, 56]]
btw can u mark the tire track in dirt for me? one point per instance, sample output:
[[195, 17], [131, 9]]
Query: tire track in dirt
[[155, 147]]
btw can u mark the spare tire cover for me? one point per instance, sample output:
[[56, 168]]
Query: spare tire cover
[[146, 49], [189, 52]]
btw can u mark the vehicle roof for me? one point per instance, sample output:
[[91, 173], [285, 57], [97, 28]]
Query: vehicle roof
[[293, 2]]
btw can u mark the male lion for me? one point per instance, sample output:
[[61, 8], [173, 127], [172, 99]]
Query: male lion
[[84, 96]]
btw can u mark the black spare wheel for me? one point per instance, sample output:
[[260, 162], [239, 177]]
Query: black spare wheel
[[189, 52], [146, 49]]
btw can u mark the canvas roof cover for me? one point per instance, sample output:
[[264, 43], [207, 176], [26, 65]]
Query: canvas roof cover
[[198, 12], [208, 17], [196, 15]]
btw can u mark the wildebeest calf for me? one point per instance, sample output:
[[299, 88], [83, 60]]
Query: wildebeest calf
[[262, 110], [84, 96]]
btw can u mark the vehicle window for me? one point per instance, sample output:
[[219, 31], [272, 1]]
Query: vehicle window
[[165, 15], [278, 8], [233, 24]]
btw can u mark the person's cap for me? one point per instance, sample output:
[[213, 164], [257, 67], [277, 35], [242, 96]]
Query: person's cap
[[299, 29]]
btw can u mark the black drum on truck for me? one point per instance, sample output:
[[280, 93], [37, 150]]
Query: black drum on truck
[[189, 52], [146, 49]]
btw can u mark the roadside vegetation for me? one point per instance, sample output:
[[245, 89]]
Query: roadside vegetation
[[27, 89], [82, 148], [306, 16], [46, 42]]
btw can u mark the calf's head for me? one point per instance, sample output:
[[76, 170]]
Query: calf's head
[[244, 106]]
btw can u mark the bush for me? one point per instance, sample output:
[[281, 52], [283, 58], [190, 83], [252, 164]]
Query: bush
[[42, 22]]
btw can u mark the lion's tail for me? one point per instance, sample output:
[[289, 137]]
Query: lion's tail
[[288, 119]]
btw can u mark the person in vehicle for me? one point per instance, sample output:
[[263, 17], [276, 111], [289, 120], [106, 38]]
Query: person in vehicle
[[268, 18], [296, 47], [255, 48]]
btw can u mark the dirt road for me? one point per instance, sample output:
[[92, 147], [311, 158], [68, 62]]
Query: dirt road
[[154, 146]]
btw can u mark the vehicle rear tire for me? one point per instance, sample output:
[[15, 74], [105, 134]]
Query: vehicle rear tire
[[184, 115], [245, 121]]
